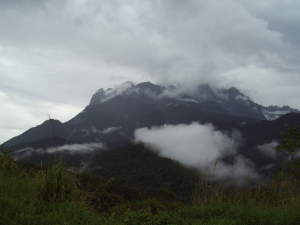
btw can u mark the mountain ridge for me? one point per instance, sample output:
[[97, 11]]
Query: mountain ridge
[[114, 113]]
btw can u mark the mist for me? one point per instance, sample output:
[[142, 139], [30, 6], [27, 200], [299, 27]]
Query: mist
[[269, 149], [200, 146], [69, 148]]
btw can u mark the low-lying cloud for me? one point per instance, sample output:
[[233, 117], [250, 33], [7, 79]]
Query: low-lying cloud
[[69, 148], [76, 148], [269, 149], [199, 146]]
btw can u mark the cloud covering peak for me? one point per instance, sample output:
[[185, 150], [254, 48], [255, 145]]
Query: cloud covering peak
[[77, 46]]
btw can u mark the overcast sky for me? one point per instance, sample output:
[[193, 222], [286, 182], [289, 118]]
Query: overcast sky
[[55, 53]]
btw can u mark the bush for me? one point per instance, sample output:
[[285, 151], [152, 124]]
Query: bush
[[206, 192], [57, 184], [102, 198], [7, 163], [147, 218]]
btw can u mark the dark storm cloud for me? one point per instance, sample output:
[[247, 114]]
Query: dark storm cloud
[[55, 53]]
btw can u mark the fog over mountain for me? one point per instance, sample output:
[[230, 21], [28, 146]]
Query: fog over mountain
[[199, 146], [114, 114], [55, 54], [220, 132]]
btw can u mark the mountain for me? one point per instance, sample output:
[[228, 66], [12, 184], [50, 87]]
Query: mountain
[[113, 114], [274, 112]]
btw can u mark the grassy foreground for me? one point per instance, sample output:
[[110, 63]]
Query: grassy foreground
[[57, 197]]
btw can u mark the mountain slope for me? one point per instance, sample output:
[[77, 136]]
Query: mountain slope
[[113, 114], [274, 112]]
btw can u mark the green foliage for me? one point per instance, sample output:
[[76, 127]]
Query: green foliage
[[206, 192], [102, 198], [7, 163], [57, 184], [20, 204], [237, 214], [47, 197], [146, 217], [291, 141], [153, 175]]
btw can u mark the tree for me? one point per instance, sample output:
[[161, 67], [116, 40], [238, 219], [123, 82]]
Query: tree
[[291, 141]]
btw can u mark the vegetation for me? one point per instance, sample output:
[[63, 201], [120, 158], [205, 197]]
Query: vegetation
[[57, 185], [55, 196], [291, 141]]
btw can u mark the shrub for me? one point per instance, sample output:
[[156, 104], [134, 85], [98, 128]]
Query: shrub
[[102, 198], [291, 141], [7, 163], [147, 218], [57, 184], [206, 192]]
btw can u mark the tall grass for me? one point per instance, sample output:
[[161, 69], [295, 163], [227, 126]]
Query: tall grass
[[7, 163], [57, 184], [51, 196]]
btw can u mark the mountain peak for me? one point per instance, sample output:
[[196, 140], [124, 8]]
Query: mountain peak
[[145, 84], [126, 88], [273, 112], [234, 91], [128, 106], [53, 121], [236, 94], [232, 100], [103, 95]]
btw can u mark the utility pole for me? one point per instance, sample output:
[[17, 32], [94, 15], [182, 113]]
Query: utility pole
[[51, 126]]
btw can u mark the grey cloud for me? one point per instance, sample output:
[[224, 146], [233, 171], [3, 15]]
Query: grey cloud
[[269, 149], [271, 11], [61, 51]]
